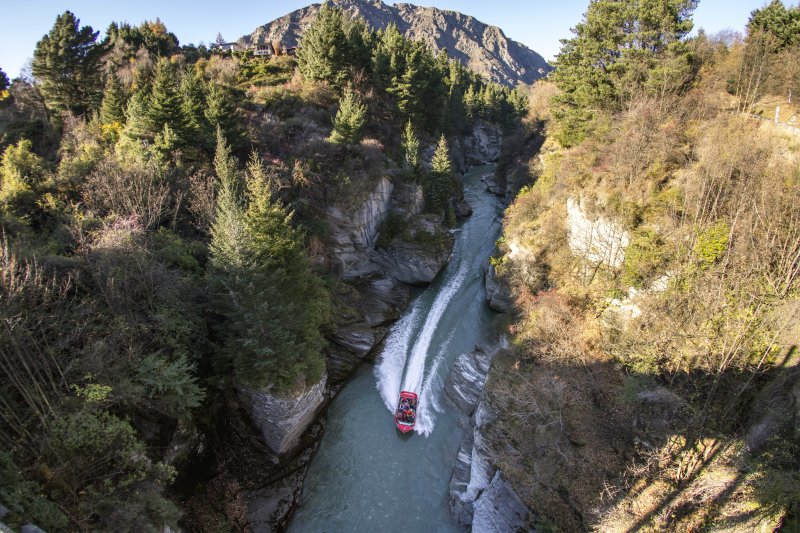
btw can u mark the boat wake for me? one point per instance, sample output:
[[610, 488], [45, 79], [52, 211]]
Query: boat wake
[[402, 365]]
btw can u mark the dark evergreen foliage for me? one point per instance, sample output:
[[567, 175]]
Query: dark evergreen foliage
[[112, 109], [66, 64]]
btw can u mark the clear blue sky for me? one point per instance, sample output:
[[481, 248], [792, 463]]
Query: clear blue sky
[[537, 23]]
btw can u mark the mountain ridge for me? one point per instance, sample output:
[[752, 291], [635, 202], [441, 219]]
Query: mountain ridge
[[481, 47]]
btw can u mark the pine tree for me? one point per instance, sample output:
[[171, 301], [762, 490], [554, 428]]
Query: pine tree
[[4, 83], [440, 164], [410, 145], [349, 119], [112, 109], [284, 286], [166, 103], [220, 112], [614, 56], [193, 103], [137, 113], [227, 230], [262, 283], [441, 175], [322, 53], [66, 63]]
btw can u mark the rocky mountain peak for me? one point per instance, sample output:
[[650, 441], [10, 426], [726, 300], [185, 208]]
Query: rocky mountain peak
[[481, 47]]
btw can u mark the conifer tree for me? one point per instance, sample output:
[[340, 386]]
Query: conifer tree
[[137, 112], [227, 230], [4, 83], [410, 145], [614, 56], [112, 109], [66, 63], [284, 286], [193, 103], [262, 283], [441, 175], [349, 119], [322, 52], [165, 101], [220, 112]]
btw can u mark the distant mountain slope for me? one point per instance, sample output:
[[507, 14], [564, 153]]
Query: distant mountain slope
[[483, 48]]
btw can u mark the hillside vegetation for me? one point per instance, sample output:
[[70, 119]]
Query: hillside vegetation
[[653, 382], [163, 238]]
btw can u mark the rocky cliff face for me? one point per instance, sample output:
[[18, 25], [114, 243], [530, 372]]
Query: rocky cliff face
[[283, 420], [479, 494], [483, 48], [599, 240], [354, 233]]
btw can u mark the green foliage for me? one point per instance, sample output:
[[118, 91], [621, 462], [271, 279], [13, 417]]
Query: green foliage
[[172, 382], [4, 84], [66, 62], [221, 113], [93, 393], [21, 171], [778, 21], [322, 53], [21, 162], [166, 106], [260, 71], [137, 124], [645, 257], [620, 51], [127, 40], [349, 119], [262, 283], [440, 164], [193, 104], [712, 243], [25, 499], [96, 460], [410, 145], [227, 230], [112, 109], [441, 176]]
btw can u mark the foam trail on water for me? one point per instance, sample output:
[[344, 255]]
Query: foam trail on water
[[415, 367], [431, 392], [389, 369]]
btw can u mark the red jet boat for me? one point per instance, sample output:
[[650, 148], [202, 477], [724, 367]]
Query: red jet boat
[[406, 414]]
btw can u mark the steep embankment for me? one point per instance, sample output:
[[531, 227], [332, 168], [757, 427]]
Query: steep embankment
[[482, 48], [653, 380]]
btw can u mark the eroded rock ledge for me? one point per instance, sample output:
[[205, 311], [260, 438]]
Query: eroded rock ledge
[[480, 495]]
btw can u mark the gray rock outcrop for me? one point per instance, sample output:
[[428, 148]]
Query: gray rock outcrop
[[354, 233], [479, 494], [483, 48], [464, 384], [498, 293], [412, 263], [499, 509], [417, 256], [283, 420], [483, 145]]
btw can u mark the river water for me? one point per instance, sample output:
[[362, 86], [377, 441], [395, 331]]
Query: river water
[[367, 476]]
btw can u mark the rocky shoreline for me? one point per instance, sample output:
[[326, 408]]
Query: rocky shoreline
[[480, 496]]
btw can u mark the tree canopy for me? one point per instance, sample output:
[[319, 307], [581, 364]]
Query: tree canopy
[[66, 64]]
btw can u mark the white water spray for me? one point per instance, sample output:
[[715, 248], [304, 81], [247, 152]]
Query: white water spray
[[397, 360]]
